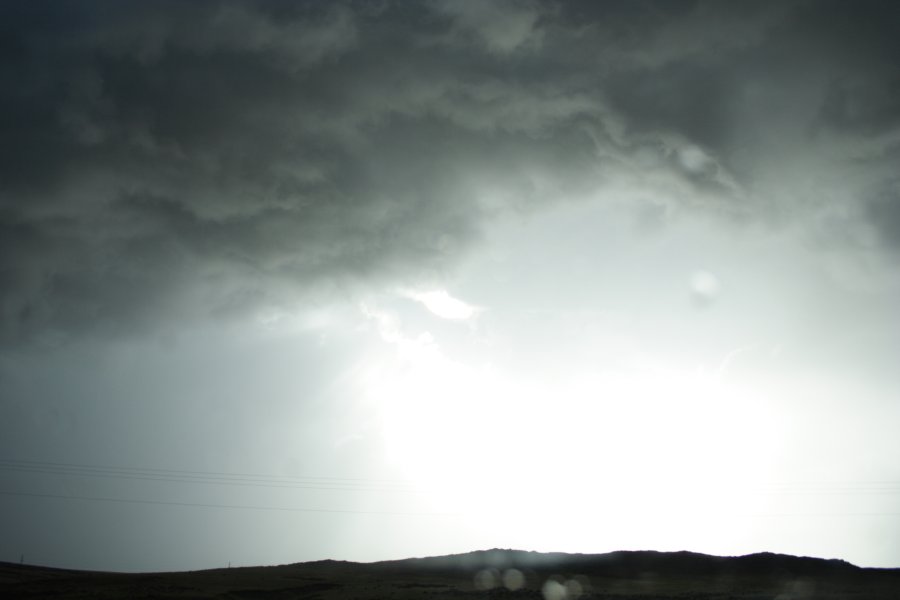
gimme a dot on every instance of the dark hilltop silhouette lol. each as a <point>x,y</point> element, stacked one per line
<point>489,574</point>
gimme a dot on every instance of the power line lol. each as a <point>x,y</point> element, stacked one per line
<point>388,513</point>
<point>210,477</point>
<point>79,466</point>
<point>384,485</point>
<point>204,480</point>
<point>813,515</point>
<point>228,506</point>
<point>367,485</point>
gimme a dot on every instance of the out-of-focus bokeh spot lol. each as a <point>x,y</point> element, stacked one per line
<point>553,590</point>
<point>487,579</point>
<point>513,579</point>
<point>705,287</point>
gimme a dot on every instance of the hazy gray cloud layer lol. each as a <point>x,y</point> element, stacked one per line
<point>166,161</point>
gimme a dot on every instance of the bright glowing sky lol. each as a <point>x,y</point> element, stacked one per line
<point>374,280</point>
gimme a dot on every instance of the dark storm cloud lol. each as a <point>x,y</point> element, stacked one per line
<point>884,209</point>
<point>169,160</point>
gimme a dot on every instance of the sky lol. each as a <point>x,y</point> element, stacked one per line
<point>287,281</point>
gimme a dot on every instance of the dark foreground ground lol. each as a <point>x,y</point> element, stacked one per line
<point>481,575</point>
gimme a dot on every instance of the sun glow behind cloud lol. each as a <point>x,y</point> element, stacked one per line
<point>442,304</point>
<point>588,408</point>
<point>560,232</point>
<point>616,448</point>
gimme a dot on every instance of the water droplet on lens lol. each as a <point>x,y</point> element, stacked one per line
<point>513,579</point>
<point>553,590</point>
<point>486,579</point>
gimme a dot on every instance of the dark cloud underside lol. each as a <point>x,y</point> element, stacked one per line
<point>164,161</point>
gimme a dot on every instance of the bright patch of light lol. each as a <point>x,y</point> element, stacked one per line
<point>613,449</point>
<point>705,286</point>
<point>553,590</point>
<point>444,305</point>
<point>694,159</point>
<point>513,579</point>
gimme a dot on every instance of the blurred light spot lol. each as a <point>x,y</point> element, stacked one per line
<point>444,305</point>
<point>487,579</point>
<point>513,579</point>
<point>694,159</point>
<point>705,287</point>
<point>554,590</point>
<point>574,590</point>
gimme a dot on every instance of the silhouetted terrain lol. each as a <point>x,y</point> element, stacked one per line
<point>491,574</point>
